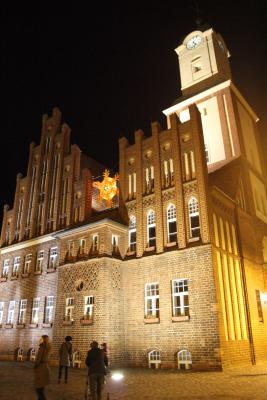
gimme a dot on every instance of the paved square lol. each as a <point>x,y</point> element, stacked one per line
<point>141,384</point>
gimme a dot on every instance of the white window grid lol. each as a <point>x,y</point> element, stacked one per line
<point>1,311</point>
<point>184,355</point>
<point>151,218</point>
<point>88,306</point>
<point>193,216</point>
<point>180,297</point>
<point>152,300</point>
<point>49,306</point>
<point>132,224</point>
<point>53,257</point>
<point>171,223</point>
<point>16,265</point>
<point>171,212</point>
<point>40,258</point>
<point>27,264</point>
<point>5,267</point>
<point>35,310</point>
<point>11,310</point>
<point>22,311</point>
<point>154,355</point>
<point>69,308</point>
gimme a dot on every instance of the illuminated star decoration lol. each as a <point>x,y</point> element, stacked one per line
<point>107,188</point>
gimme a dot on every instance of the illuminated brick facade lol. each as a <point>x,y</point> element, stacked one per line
<point>174,273</point>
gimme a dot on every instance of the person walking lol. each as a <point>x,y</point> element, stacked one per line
<point>41,368</point>
<point>65,357</point>
<point>97,362</point>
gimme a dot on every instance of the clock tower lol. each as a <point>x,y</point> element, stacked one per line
<point>203,60</point>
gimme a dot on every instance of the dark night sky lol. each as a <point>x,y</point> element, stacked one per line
<point>112,71</point>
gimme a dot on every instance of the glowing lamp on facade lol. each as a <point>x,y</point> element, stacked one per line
<point>107,188</point>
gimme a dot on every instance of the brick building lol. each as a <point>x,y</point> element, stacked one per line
<point>172,271</point>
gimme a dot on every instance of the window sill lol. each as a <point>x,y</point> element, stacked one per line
<point>181,318</point>
<point>20,326</point>
<point>193,239</point>
<point>152,248</point>
<point>37,272</point>
<point>14,278</point>
<point>86,321</point>
<point>50,270</point>
<point>25,275</point>
<point>33,326</point>
<point>47,325</point>
<point>151,320</point>
<point>8,326</point>
<point>67,323</point>
<point>171,244</point>
<point>3,279</point>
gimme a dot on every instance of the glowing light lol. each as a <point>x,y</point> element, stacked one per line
<point>107,188</point>
<point>117,376</point>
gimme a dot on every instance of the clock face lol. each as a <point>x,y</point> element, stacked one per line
<point>193,42</point>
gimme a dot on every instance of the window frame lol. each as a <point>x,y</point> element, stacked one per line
<point>152,308</point>
<point>181,295</point>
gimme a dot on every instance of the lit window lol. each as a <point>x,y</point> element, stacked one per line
<point>16,266</point>
<point>35,310</point>
<point>95,244</point>
<point>27,264</point>
<point>259,305</point>
<point>53,257</point>
<point>1,312</point>
<point>88,307</point>
<point>171,224</point>
<point>5,268</point>
<point>194,218</point>
<point>152,300</point>
<point>151,229</point>
<point>154,359</point>
<point>49,306</point>
<point>82,246</point>
<point>132,185</point>
<point>69,309</point>
<point>149,179</point>
<point>184,359</point>
<point>11,310</point>
<point>40,259</point>
<point>168,172</point>
<point>22,311</point>
<point>180,299</point>
<point>115,242</point>
<point>132,233</point>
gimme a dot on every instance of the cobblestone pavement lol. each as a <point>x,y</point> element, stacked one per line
<point>248,383</point>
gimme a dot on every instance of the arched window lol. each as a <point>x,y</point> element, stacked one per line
<point>154,359</point>
<point>194,218</point>
<point>171,224</point>
<point>151,229</point>
<point>184,359</point>
<point>132,233</point>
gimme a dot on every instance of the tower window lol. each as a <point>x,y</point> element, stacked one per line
<point>132,233</point>
<point>152,300</point>
<point>194,218</point>
<point>151,229</point>
<point>171,224</point>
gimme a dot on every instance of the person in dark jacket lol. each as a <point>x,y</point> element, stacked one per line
<point>65,357</point>
<point>97,362</point>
